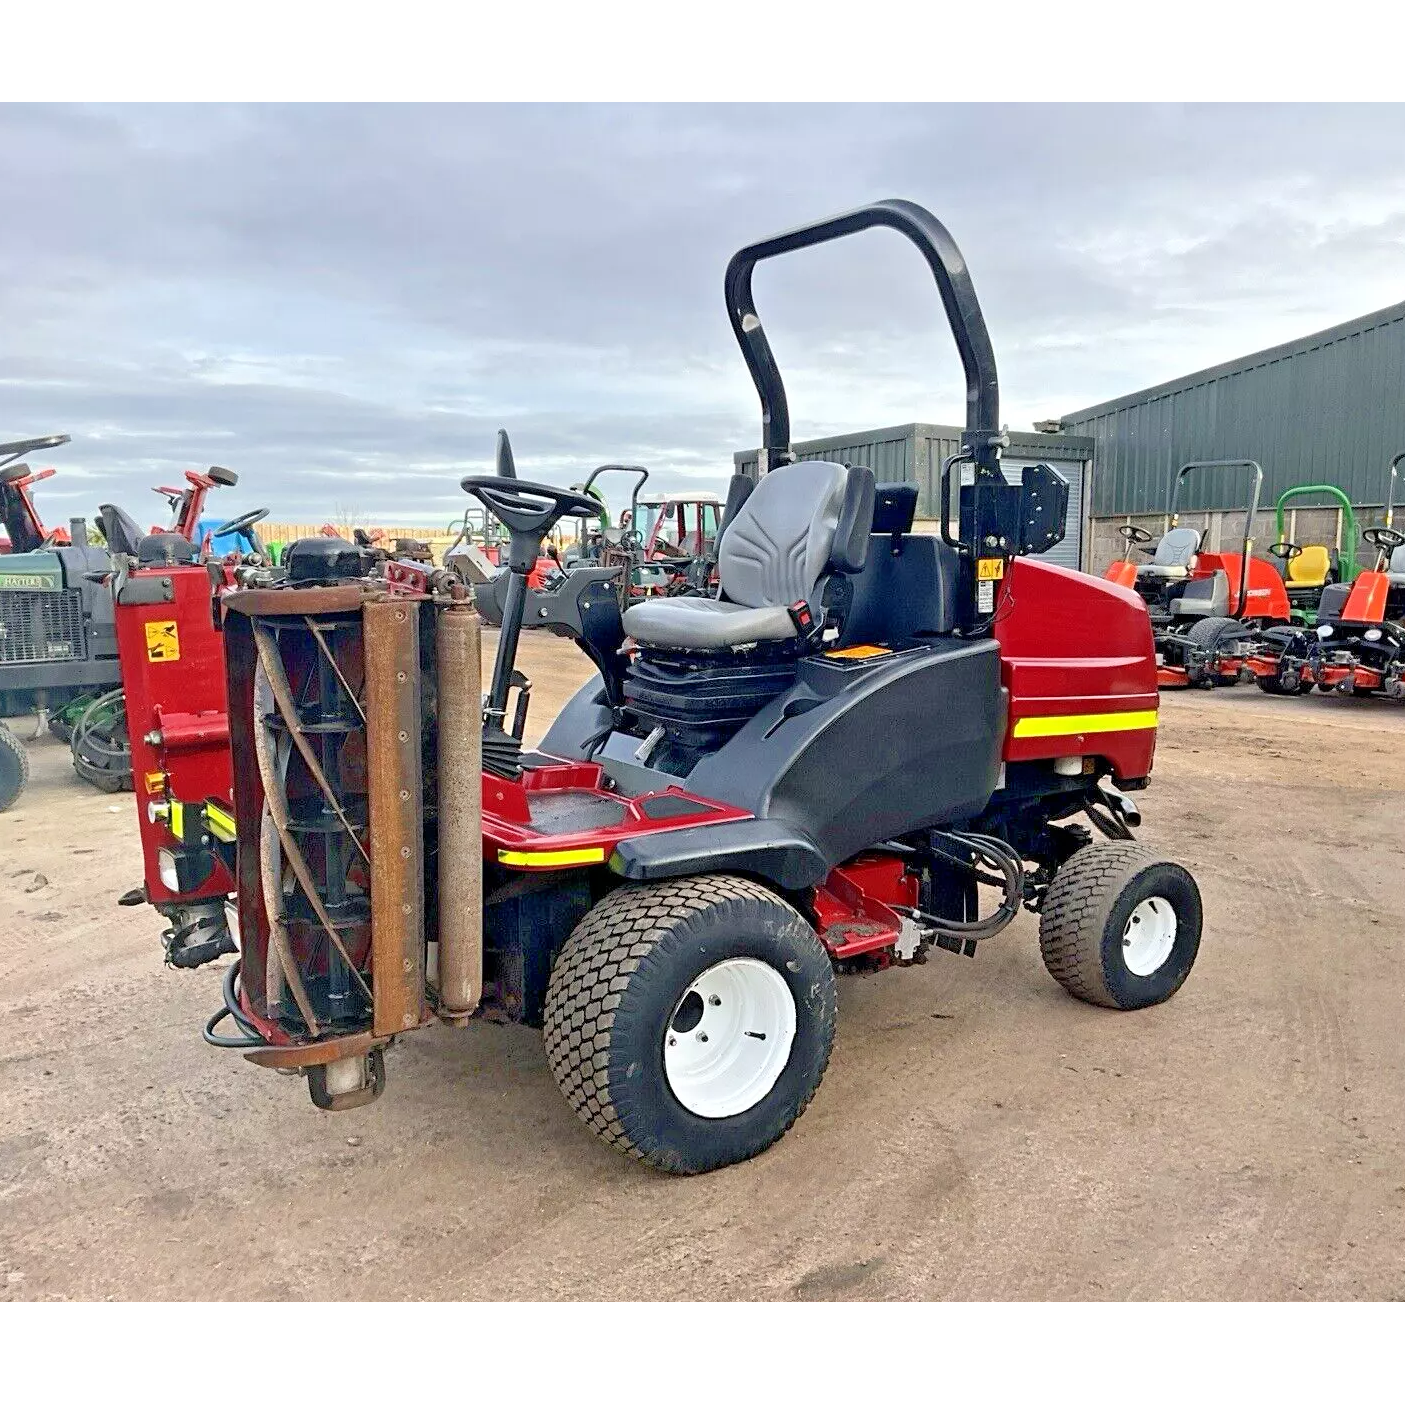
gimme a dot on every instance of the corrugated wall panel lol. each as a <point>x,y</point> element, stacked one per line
<point>1327,408</point>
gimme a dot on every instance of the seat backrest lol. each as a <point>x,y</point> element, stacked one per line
<point>799,522</point>
<point>1177,547</point>
<point>1311,566</point>
<point>120,530</point>
<point>907,590</point>
<point>1397,561</point>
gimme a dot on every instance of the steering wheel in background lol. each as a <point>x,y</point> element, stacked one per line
<point>529,510</point>
<point>242,523</point>
<point>1136,535</point>
<point>1383,538</point>
<point>1284,551</point>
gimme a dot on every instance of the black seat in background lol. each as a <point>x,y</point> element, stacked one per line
<point>119,529</point>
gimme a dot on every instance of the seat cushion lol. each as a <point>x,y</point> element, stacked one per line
<point>699,622</point>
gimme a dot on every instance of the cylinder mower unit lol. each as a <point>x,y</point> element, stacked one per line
<point>819,768</point>
<point>1356,644</point>
<point>165,605</point>
<point>1205,606</point>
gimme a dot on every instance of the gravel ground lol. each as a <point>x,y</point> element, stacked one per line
<point>978,1135</point>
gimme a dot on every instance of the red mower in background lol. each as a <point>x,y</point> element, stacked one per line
<point>1205,606</point>
<point>97,731</point>
<point>1357,645</point>
<point>24,529</point>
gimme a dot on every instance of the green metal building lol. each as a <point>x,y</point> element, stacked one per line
<point>1326,408</point>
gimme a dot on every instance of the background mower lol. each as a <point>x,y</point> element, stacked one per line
<point>818,769</point>
<point>1308,570</point>
<point>1357,644</point>
<point>95,726</point>
<point>1204,605</point>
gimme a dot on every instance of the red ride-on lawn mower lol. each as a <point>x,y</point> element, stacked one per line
<point>1357,646</point>
<point>820,769</point>
<point>1204,605</point>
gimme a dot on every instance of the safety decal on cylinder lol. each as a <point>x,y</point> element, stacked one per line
<point>163,641</point>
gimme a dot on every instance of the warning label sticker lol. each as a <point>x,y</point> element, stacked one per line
<point>990,568</point>
<point>163,642</point>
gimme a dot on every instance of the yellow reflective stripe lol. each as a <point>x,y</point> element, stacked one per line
<point>550,858</point>
<point>175,822</point>
<point>1072,723</point>
<point>220,824</point>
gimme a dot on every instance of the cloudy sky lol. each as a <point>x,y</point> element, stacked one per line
<point>344,303</point>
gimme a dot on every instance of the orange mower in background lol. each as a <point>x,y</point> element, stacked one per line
<point>1357,646</point>
<point>1205,606</point>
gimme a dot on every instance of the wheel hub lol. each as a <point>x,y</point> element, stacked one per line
<point>1149,935</point>
<point>729,1038</point>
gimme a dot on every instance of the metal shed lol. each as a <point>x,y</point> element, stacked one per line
<point>1329,407</point>
<point>914,453</point>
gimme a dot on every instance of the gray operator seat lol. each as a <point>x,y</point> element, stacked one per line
<point>1395,572</point>
<point>801,523</point>
<point>1175,554</point>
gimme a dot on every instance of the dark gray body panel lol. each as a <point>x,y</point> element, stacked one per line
<point>853,754</point>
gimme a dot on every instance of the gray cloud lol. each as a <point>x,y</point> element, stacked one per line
<point>344,302</point>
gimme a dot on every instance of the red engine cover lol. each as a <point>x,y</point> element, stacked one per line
<point>1078,660</point>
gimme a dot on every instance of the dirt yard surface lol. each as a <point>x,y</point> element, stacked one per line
<point>979,1134</point>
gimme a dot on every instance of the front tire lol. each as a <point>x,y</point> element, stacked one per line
<point>689,1022</point>
<point>1211,635</point>
<point>1120,927</point>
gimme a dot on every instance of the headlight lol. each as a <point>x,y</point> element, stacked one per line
<point>1324,631</point>
<point>1372,636</point>
<point>166,868</point>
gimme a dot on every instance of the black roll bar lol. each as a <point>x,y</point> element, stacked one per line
<point>983,438</point>
<point>1257,478</point>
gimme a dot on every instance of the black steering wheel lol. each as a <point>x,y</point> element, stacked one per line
<point>242,523</point>
<point>1284,551</point>
<point>1383,538</point>
<point>529,507</point>
<point>1138,535</point>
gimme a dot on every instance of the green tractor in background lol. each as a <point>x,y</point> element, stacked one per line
<point>1308,570</point>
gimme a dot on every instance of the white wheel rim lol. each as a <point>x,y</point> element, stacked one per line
<point>1148,937</point>
<point>728,1039</point>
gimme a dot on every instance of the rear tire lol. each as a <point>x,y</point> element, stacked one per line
<point>1120,927</point>
<point>649,971</point>
<point>14,767</point>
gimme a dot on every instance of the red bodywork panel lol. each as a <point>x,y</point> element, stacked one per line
<point>1267,598</point>
<point>1367,601</point>
<point>1072,645</point>
<point>507,815</point>
<point>856,901</point>
<point>173,677</point>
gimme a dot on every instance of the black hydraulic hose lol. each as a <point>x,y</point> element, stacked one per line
<point>231,1010</point>
<point>1007,864</point>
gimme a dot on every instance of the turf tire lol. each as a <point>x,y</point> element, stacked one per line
<point>14,767</point>
<point>1086,911</point>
